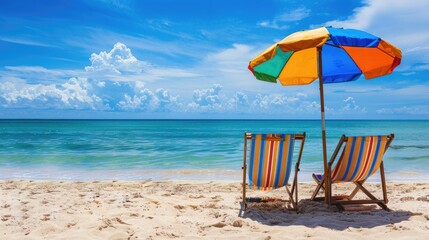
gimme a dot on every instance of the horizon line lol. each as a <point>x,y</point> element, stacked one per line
<point>222,119</point>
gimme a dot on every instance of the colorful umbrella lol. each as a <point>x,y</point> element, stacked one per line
<point>330,54</point>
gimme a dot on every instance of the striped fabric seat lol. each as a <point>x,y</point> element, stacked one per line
<point>270,160</point>
<point>360,158</point>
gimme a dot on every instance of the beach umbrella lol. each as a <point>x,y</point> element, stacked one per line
<point>331,55</point>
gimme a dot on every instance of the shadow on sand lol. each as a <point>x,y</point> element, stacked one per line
<point>314,214</point>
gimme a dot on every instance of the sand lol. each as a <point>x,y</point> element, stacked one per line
<point>198,210</point>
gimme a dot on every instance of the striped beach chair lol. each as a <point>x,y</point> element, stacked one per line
<point>270,164</point>
<point>361,157</point>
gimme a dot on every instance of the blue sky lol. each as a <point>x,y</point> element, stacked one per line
<point>188,59</point>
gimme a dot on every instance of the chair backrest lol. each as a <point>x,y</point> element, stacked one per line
<point>270,160</point>
<point>361,158</point>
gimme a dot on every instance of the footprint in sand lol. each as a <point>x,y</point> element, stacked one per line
<point>210,205</point>
<point>196,196</point>
<point>46,217</point>
<point>137,195</point>
<point>5,218</point>
<point>134,214</point>
<point>180,207</point>
<point>71,224</point>
<point>215,214</point>
<point>121,221</point>
<point>166,234</point>
<point>423,199</point>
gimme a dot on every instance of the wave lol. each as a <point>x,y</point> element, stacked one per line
<point>414,158</point>
<point>409,146</point>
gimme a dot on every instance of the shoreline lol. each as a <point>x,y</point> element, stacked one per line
<point>178,181</point>
<point>184,209</point>
<point>215,174</point>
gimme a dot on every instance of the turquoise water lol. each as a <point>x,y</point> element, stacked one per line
<point>184,149</point>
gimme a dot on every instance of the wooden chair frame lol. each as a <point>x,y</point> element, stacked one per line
<point>339,201</point>
<point>290,193</point>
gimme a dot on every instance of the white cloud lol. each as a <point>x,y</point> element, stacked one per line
<point>37,74</point>
<point>229,67</point>
<point>279,103</point>
<point>350,106</point>
<point>101,84</point>
<point>207,99</point>
<point>148,101</point>
<point>76,93</point>
<point>399,22</point>
<point>167,102</point>
<point>413,110</point>
<point>279,22</point>
<point>119,60</point>
<point>32,69</point>
<point>144,101</point>
<point>240,99</point>
<point>238,103</point>
<point>119,64</point>
<point>25,42</point>
<point>231,60</point>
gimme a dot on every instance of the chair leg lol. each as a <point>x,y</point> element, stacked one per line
<point>294,204</point>
<point>317,181</point>
<point>319,186</point>
<point>294,192</point>
<point>243,202</point>
<point>244,168</point>
<point>383,183</point>
<point>356,190</point>
<point>363,189</point>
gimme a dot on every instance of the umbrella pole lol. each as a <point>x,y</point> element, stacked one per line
<point>322,111</point>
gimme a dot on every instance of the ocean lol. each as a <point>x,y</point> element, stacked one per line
<point>185,149</point>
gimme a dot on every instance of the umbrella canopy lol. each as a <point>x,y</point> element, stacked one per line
<point>346,55</point>
<point>329,54</point>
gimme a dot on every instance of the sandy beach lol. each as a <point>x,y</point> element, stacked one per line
<point>196,210</point>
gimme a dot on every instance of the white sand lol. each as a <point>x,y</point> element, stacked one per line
<point>196,210</point>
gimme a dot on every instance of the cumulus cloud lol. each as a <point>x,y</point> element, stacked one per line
<point>239,102</point>
<point>167,102</point>
<point>119,64</point>
<point>280,103</point>
<point>118,60</point>
<point>207,99</point>
<point>351,106</point>
<point>146,100</point>
<point>76,93</point>
<point>279,22</point>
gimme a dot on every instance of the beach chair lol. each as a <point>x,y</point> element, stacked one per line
<point>270,165</point>
<point>361,157</point>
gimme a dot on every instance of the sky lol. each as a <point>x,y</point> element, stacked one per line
<point>188,59</point>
